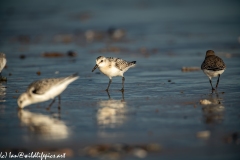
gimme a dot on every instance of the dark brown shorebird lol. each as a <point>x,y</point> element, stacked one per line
<point>213,66</point>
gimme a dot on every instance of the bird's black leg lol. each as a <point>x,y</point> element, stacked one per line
<point>51,104</point>
<point>123,79</point>
<point>217,81</point>
<point>109,83</point>
<point>108,95</point>
<point>122,97</point>
<point>211,84</point>
<point>59,102</point>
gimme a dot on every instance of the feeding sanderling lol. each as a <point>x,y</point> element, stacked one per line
<point>213,66</point>
<point>45,89</point>
<point>3,62</point>
<point>112,67</point>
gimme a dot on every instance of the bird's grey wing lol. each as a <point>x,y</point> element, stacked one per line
<point>124,65</point>
<point>121,64</point>
<point>116,61</point>
<point>42,86</point>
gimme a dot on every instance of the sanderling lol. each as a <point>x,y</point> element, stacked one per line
<point>3,62</point>
<point>112,67</point>
<point>45,89</point>
<point>213,66</point>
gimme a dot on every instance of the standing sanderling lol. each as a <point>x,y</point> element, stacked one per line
<point>3,62</point>
<point>45,89</point>
<point>213,66</point>
<point>112,67</point>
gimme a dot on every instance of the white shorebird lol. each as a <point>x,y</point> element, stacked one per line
<point>44,90</point>
<point>3,62</point>
<point>112,67</point>
<point>213,66</point>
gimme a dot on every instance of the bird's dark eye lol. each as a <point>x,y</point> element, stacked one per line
<point>101,60</point>
<point>20,102</point>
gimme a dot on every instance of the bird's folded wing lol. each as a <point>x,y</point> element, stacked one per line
<point>42,86</point>
<point>213,64</point>
<point>121,64</point>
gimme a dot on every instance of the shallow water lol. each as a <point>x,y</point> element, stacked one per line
<point>161,104</point>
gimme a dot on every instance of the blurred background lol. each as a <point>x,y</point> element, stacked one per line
<point>167,109</point>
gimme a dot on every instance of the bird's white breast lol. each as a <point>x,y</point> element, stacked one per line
<point>111,71</point>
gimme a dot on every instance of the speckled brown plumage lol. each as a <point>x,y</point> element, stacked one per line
<point>213,63</point>
<point>213,66</point>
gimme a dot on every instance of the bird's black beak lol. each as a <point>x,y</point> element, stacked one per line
<point>96,66</point>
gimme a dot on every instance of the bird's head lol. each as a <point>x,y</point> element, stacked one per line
<point>100,62</point>
<point>210,53</point>
<point>23,100</point>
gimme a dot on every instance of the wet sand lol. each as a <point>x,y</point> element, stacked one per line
<point>164,112</point>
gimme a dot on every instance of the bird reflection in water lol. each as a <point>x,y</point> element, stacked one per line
<point>213,109</point>
<point>2,93</point>
<point>45,127</point>
<point>2,98</point>
<point>112,113</point>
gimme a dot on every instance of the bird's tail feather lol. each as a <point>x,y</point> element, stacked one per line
<point>70,78</point>
<point>74,75</point>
